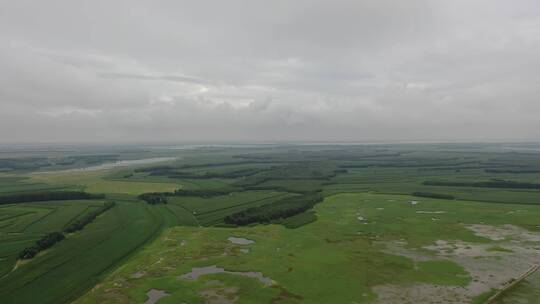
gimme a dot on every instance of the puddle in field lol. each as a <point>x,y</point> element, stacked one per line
<point>196,272</point>
<point>240,241</point>
<point>155,295</point>
<point>516,211</point>
<point>137,275</point>
<point>431,212</point>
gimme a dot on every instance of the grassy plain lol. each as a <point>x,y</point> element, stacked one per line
<point>338,258</point>
<point>367,242</point>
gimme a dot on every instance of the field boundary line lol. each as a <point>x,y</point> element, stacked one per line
<point>54,210</point>
<point>246,203</point>
<point>16,216</point>
<point>75,217</point>
<point>522,277</point>
<point>190,212</point>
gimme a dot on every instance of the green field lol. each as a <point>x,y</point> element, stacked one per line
<point>330,224</point>
<point>23,224</point>
<point>337,259</point>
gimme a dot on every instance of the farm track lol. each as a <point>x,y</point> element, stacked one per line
<point>513,284</point>
<point>188,211</point>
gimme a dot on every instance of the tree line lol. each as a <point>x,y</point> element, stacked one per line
<point>88,218</point>
<point>279,210</point>
<point>154,198</point>
<point>48,240</point>
<point>512,171</point>
<point>434,195</point>
<point>47,196</point>
<point>488,184</point>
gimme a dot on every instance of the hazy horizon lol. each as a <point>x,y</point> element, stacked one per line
<point>116,72</point>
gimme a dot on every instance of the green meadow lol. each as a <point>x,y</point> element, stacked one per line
<point>338,258</point>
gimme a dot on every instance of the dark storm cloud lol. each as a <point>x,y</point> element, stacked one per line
<point>117,71</point>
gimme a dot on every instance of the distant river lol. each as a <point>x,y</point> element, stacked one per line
<point>121,163</point>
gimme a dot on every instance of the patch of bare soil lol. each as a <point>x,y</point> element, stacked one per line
<point>137,275</point>
<point>286,296</point>
<point>399,248</point>
<point>421,293</point>
<point>489,269</point>
<point>240,241</point>
<point>219,294</point>
<point>504,232</point>
<point>196,272</point>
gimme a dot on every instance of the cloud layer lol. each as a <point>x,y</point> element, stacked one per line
<point>380,70</point>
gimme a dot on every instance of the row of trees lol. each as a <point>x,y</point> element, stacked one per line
<point>47,196</point>
<point>88,218</point>
<point>173,172</point>
<point>434,195</point>
<point>489,184</point>
<point>52,238</point>
<point>154,198</point>
<point>208,175</point>
<point>45,242</point>
<point>512,170</point>
<point>273,212</point>
<point>200,193</point>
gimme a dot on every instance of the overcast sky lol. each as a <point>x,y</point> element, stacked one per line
<point>166,71</point>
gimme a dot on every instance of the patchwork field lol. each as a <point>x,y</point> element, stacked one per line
<point>22,224</point>
<point>272,224</point>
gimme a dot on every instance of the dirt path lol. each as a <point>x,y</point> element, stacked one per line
<point>512,284</point>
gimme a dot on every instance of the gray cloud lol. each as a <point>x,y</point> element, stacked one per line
<point>117,71</point>
<point>150,77</point>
